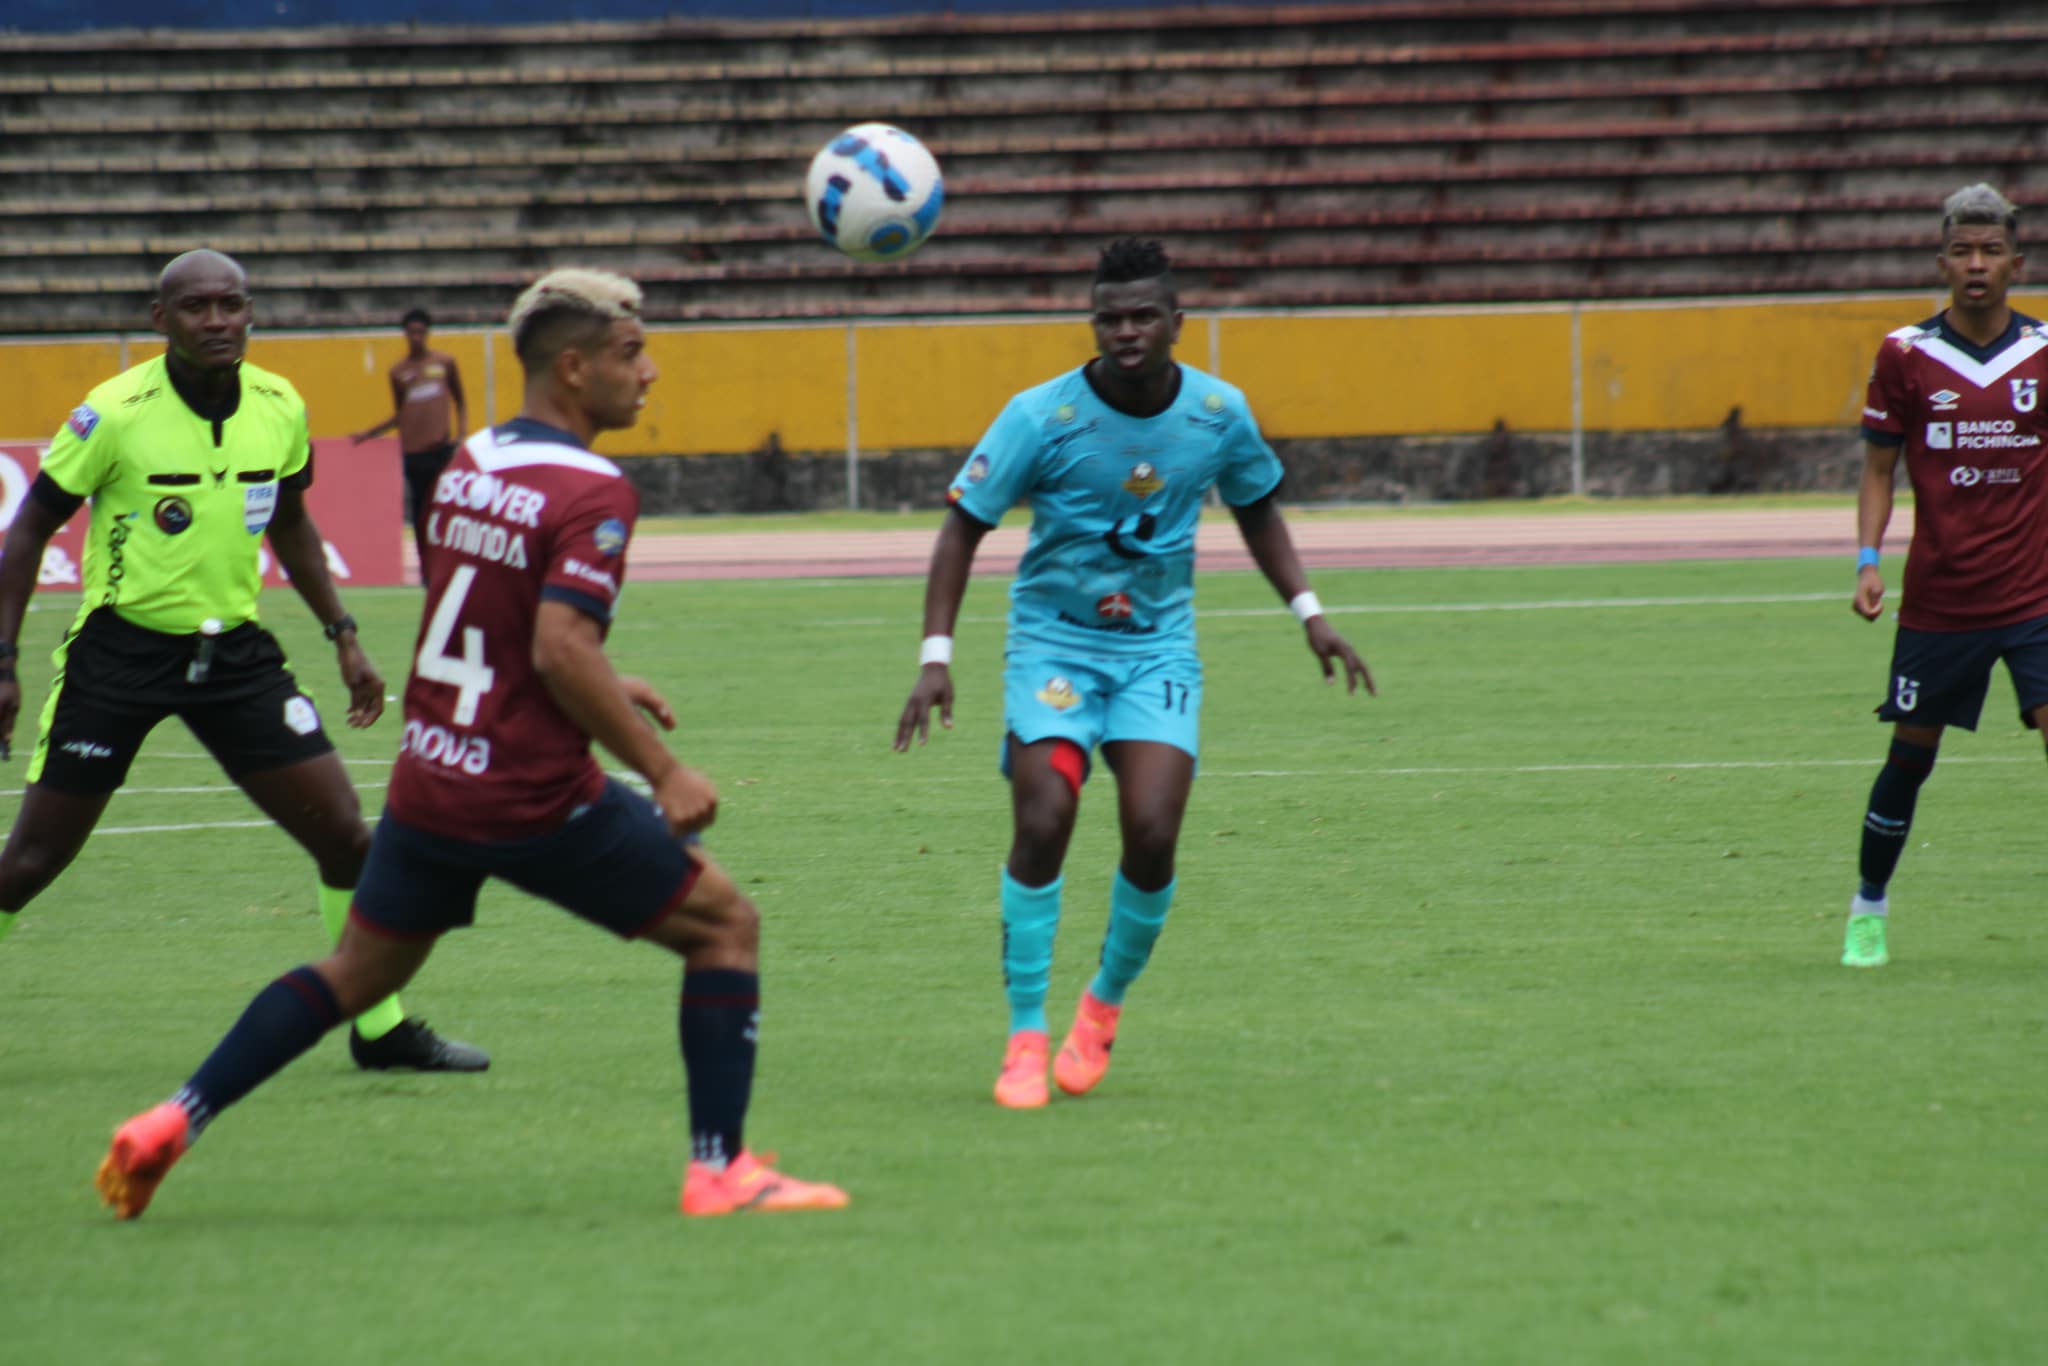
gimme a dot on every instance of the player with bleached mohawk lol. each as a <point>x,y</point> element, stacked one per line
<point>572,292</point>
<point>526,554</point>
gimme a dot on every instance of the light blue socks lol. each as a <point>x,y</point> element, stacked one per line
<point>1031,917</point>
<point>1135,919</point>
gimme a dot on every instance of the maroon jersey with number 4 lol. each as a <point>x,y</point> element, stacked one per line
<point>1975,436</point>
<point>522,515</point>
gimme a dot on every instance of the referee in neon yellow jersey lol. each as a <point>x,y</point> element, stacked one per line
<point>190,459</point>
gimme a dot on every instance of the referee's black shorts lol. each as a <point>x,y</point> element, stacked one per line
<point>116,680</point>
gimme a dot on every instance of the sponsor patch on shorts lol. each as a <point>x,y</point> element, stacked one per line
<point>300,716</point>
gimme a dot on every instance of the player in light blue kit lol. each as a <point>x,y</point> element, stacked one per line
<point>1115,459</point>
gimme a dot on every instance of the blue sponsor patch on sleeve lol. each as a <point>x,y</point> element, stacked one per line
<point>610,536</point>
<point>83,419</point>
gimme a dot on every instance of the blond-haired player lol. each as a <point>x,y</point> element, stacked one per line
<point>526,552</point>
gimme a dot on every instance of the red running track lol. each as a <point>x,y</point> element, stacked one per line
<point>1378,541</point>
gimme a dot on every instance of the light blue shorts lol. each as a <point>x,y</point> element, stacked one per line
<point>1155,697</point>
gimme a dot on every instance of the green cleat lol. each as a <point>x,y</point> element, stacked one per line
<point>1863,946</point>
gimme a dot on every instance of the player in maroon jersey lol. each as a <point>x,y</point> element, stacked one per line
<point>526,548</point>
<point>1960,396</point>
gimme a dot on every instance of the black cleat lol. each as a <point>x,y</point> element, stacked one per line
<point>416,1048</point>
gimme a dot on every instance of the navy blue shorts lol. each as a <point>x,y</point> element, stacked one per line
<point>614,863</point>
<point>1939,678</point>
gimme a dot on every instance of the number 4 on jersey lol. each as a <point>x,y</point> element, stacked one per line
<point>467,673</point>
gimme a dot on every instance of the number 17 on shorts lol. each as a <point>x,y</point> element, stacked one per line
<point>1160,701</point>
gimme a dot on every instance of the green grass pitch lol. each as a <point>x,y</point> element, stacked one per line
<point>1498,1021</point>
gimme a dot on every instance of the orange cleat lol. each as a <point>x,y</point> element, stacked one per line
<point>1084,1057</point>
<point>1022,1084</point>
<point>143,1151</point>
<point>748,1183</point>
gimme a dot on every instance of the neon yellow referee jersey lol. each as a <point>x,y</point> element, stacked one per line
<point>179,503</point>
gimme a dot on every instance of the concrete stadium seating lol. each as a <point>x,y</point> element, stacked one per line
<point>1472,150</point>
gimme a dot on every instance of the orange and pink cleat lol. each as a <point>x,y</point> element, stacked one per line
<point>1022,1083</point>
<point>1084,1057</point>
<point>144,1149</point>
<point>748,1183</point>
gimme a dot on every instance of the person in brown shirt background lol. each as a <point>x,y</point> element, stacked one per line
<point>423,386</point>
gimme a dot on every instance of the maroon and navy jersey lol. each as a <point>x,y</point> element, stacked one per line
<point>1975,434</point>
<point>522,515</point>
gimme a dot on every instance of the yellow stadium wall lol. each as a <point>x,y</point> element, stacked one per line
<point>1415,374</point>
<point>936,384</point>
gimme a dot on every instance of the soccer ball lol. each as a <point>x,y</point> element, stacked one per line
<point>874,192</point>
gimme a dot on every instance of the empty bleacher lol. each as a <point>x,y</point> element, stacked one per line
<point>1475,150</point>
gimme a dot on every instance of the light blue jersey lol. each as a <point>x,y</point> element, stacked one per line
<point>1109,568</point>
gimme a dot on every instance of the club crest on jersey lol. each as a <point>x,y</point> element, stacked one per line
<point>1144,480</point>
<point>173,515</point>
<point>1213,403</point>
<point>977,468</point>
<point>2026,393</point>
<point>1944,400</point>
<point>82,420</point>
<point>1059,694</point>
<point>1941,436</point>
<point>1064,414</point>
<point>610,536</point>
<point>1113,606</point>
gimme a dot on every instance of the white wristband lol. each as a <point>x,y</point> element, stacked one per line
<point>1304,606</point>
<point>936,650</point>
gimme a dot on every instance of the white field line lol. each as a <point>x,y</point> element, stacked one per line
<point>1868,761</point>
<point>1396,608</point>
<point>202,754</point>
<point>224,789</point>
<point>1446,771</point>
<point>1871,761</point>
<point>176,829</point>
<point>1553,605</point>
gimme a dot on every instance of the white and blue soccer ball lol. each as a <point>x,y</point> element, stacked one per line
<point>874,192</point>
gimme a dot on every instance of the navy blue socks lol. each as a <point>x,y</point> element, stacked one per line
<point>719,1023</point>
<point>287,1017</point>
<point>1890,818</point>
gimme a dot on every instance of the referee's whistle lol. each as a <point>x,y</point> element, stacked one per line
<point>202,658</point>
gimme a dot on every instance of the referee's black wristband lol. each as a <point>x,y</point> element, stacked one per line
<point>344,622</point>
